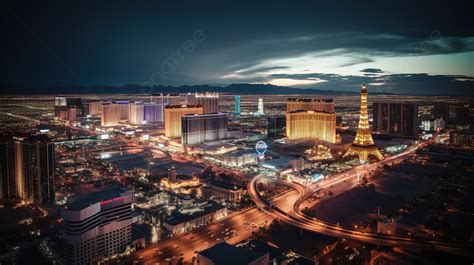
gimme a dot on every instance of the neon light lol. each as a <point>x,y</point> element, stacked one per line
<point>111,200</point>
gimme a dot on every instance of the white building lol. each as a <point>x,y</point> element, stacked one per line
<point>260,106</point>
<point>136,113</point>
<point>240,158</point>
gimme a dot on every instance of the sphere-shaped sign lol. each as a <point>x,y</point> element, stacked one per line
<point>261,147</point>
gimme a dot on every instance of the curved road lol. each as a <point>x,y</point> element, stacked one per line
<point>299,219</point>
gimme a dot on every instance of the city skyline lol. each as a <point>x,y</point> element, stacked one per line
<point>237,133</point>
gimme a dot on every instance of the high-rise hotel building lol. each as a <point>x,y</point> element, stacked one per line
<point>68,108</point>
<point>97,226</point>
<point>311,118</point>
<point>237,105</point>
<point>135,113</point>
<point>208,100</point>
<point>311,124</point>
<point>198,129</point>
<point>314,104</point>
<point>27,169</point>
<point>163,100</point>
<point>152,112</point>
<point>396,118</point>
<point>114,113</point>
<point>173,116</point>
<point>95,108</point>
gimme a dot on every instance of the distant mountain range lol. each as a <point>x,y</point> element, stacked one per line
<point>137,89</point>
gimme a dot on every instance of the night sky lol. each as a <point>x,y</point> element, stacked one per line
<point>422,47</point>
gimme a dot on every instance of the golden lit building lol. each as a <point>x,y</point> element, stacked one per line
<point>173,116</point>
<point>114,114</point>
<point>315,104</point>
<point>182,185</point>
<point>311,124</point>
<point>363,145</point>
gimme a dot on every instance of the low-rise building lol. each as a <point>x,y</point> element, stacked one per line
<point>240,158</point>
<point>182,222</point>
<point>225,191</point>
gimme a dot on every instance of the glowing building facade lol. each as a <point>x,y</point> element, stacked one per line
<point>97,226</point>
<point>27,169</point>
<point>152,112</point>
<point>136,113</point>
<point>183,184</point>
<point>208,101</point>
<point>198,129</point>
<point>173,116</point>
<point>363,145</point>
<point>237,105</point>
<point>260,107</point>
<point>163,100</point>
<point>114,113</point>
<point>95,108</point>
<point>314,104</point>
<point>311,124</point>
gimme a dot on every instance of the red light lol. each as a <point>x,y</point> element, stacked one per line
<point>109,201</point>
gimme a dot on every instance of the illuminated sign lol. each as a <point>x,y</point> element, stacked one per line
<point>261,147</point>
<point>111,200</point>
<point>317,177</point>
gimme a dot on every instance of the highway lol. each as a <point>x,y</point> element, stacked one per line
<point>286,207</point>
<point>297,218</point>
<point>185,245</point>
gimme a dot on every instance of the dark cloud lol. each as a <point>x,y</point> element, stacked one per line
<point>125,42</point>
<point>372,70</point>
<point>413,84</point>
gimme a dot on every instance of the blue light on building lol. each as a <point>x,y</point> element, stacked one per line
<point>317,177</point>
<point>237,105</point>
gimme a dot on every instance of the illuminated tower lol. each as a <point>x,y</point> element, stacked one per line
<point>260,106</point>
<point>237,105</point>
<point>363,145</point>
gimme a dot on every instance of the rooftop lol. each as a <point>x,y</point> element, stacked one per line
<point>328,100</point>
<point>177,217</point>
<point>95,197</point>
<point>224,253</point>
<point>311,112</point>
<point>182,106</point>
<point>224,185</point>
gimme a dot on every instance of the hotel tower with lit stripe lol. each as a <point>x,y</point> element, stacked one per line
<point>363,145</point>
<point>173,116</point>
<point>97,225</point>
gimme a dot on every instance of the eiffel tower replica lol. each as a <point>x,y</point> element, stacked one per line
<point>363,145</point>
